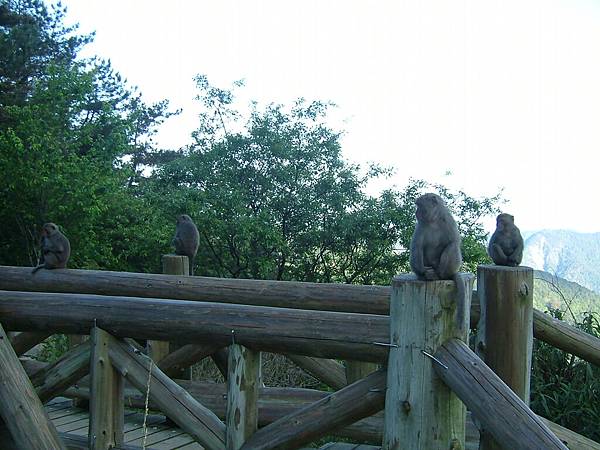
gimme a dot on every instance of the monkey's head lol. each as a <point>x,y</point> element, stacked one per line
<point>429,206</point>
<point>49,229</point>
<point>183,218</point>
<point>504,221</point>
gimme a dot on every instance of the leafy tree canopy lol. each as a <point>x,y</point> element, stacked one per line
<point>268,185</point>
<point>274,198</point>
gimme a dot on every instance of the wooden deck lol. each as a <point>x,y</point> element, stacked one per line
<point>73,422</point>
<point>159,435</point>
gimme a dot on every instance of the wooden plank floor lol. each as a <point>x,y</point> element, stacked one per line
<point>159,435</point>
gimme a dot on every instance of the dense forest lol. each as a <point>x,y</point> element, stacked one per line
<point>267,185</point>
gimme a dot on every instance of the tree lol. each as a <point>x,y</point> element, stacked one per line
<point>32,37</point>
<point>274,198</point>
<point>68,128</point>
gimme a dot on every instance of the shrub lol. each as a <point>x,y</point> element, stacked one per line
<point>564,388</point>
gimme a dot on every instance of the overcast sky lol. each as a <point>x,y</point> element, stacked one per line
<point>501,94</point>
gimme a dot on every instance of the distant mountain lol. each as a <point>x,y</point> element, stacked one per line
<point>566,254</point>
<point>550,291</point>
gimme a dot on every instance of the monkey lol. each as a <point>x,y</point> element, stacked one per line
<point>56,249</point>
<point>435,245</point>
<point>506,245</point>
<point>435,248</point>
<point>186,239</point>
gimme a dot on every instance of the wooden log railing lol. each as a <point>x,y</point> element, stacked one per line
<point>207,321</point>
<point>276,402</point>
<point>21,409</point>
<point>502,412</point>
<point>330,334</point>
<point>505,330</point>
<point>344,407</point>
<point>283,294</point>
<point>424,314</point>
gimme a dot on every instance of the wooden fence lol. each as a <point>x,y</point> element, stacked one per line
<point>417,332</point>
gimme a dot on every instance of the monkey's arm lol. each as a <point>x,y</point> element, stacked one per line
<point>417,263</point>
<point>450,261</point>
<point>517,255</point>
<point>498,255</point>
<point>53,246</point>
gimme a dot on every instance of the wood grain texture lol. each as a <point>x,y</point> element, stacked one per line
<point>422,412</point>
<point>242,395</point>
<point>506,323</point>
<point>328,371</point>
<point>185,356</point>
<point>106,402</point>
<point>505,329</point>
<point>330,334</point>
<point>171,265</point>
<point>54,378</point>
<point>566,337</point>
<point>176,403</point>
<point>275,402</point>
<point>20,408</point>
<point>318,296</point>
<point>357,370</point>
<point>510,422</point>
<point>341,408</point>
<point>23,342</point>
<point>284,294</point>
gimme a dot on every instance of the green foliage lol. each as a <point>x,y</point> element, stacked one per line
<point>274,198</point>
<point>53,348</point>
<point>72,140</point>
<point>268,186</point>
<point>564,388</point>
<point>553,292</point>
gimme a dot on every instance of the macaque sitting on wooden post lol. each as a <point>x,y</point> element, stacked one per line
<point>506,245</point>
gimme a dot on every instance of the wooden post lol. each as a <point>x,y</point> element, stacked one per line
<point>357,370</point>
<point>421,412</point>
<point>106,403</point>
<point>505,329</point>
<point>172,265</point>
<point>242,395</point>
<point>21,409</point>
<point>193,418</point>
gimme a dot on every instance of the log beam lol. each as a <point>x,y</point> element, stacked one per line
<point>21,409</point>
<point>106,403</point>
<point>196,420</point>
<point>23,342</point>
<point>282,294</point>
<point>280,330</point>
<point>502,413</point>
<point>54,378</point>
<point>341,408</point>
<point>328,371</point>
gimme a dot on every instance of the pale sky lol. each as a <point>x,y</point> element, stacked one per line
<point>502,94</point>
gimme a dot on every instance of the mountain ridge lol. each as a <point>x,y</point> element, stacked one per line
<point>566,254</point>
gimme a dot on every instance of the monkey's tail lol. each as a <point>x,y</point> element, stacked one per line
<point>38,267</point>
<point>192,262</point>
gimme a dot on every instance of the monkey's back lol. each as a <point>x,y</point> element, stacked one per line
<point>187,239</point>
